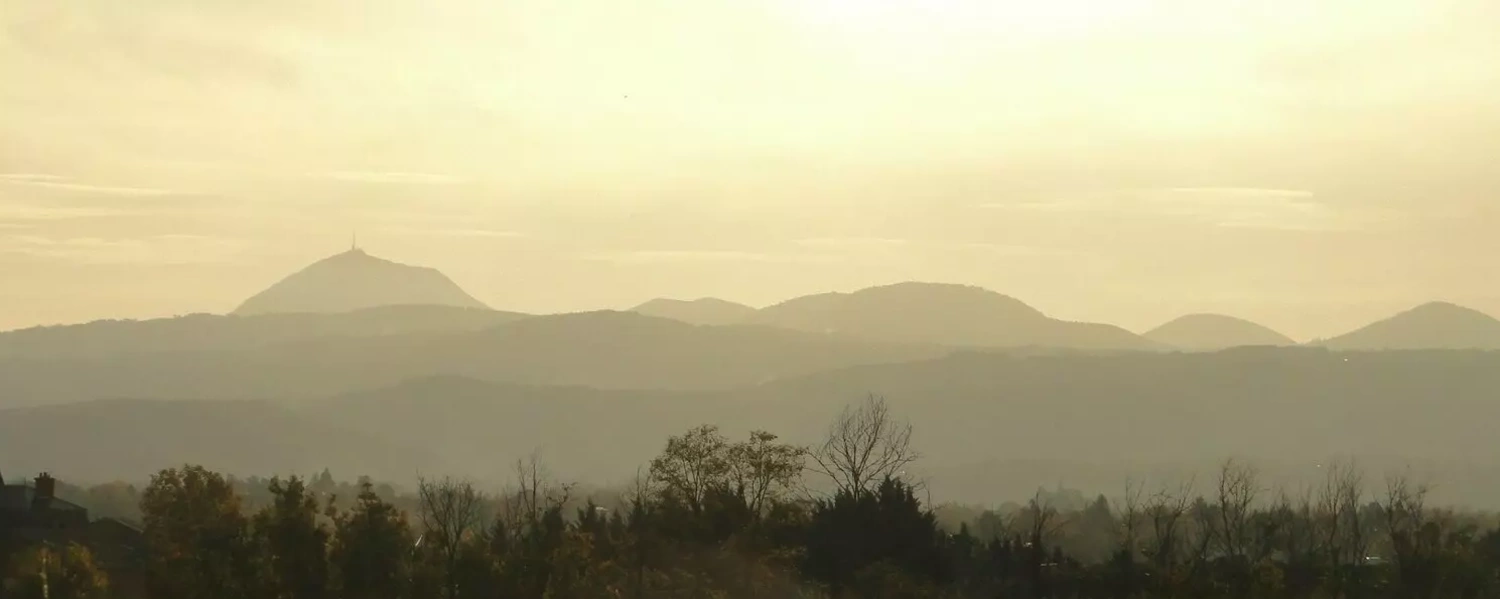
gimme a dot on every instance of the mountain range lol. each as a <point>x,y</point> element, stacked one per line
<point>369,366</point>
<point>356,295</point>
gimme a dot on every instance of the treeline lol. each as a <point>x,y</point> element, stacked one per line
<point>718,517</point>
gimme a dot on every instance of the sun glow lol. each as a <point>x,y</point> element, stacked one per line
<point>1027,18</point>
<point>932,36</point>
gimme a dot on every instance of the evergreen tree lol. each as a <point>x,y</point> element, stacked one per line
<point>372,549</point>
<point>293,542</point>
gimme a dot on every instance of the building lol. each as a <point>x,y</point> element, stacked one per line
<point>32,515</point>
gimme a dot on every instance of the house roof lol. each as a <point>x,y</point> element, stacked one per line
<point>16,497</point>
<point>23,498</point>
<point>63,505</point>
<point>116,522</point>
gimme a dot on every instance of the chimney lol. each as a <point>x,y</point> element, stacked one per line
<point>46,486</point>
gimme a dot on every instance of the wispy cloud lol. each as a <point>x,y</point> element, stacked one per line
<point>18,211</point>
<point>25,177</point>
<point>1060,205</point>
<point>469,233</point>
<point>393,177</point>
<point>704,256</point>
<point>1000,249</point>
<point>63,184</point>
<point>1228,207</point>
<point>1241,192</point>
<point>853,242</point>
<point>156,249</point>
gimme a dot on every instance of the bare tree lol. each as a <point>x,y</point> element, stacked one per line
<point>1130,519</point>
<point>1239,486</point>
<point>761,470</point>
<point>1165,511</point>
<point>1342,532</point>
<point>1406,520</point>
<point>1302,536</point>
<point>450,511</point>
<point>1205,534</point>
<point>865,445</point>
<point>1272,527</point>
<point>533,496</point>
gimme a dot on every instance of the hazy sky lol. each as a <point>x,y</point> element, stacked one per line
<point>1311,164</point>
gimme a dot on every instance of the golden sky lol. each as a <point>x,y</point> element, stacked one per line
<point>1310,164</point>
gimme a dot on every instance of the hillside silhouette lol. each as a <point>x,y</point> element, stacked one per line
<point>704,311</point>
<point>1209,332</point>
<point>355,280</point>
<point>1435,325</point>
<point>131,439</point>
<point>212,332</point>
<point>955,315</point>
<point>600,349</point>
<point>974,412</point>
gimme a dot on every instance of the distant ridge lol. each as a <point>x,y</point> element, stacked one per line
<point>355,280</point>
<point>1435,325</point>
<point>1211,332</point>
<point>213,332</point>
<point>706,311</point>
<point>941,313</point>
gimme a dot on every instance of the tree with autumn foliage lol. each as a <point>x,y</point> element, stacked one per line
<point>197,538</point>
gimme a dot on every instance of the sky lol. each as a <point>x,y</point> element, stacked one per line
<point>1309,164</point>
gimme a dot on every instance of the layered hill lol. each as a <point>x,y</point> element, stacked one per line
<point>619,350</point>
<point>132,439</point>
<point>955,315</point>
<point>1436,325</point>
<point>983,420</point>
<point>212,332</point>
<point>1212,332</point>
<point>706,311</point>
<point>355,280</point>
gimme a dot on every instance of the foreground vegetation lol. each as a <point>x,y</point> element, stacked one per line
<point>714,517</point>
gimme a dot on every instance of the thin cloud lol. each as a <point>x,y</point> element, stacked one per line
<point>1247,192</point>
<point>30,177</point>
<point>1071,205</point>
<point>474,233</point>
<point>16,211</point>
<point>63,184</point>
<point>853,242</point>
<point>703,256</point>
<point>1001,249</point>
<point>1227,207</point>
<point>1247,208</point>
<point>166,249</point>
<point>393,177</point>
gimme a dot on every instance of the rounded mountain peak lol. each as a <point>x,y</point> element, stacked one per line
<point>914,312</point>
<point>1444,310</point>
<point>701,311</point>
<point>1433,325</point>
<point>355,280</point>
<point>1211,332</point>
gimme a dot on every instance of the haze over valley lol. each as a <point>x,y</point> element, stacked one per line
<point>749,299</point>
<point>357,356</point>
